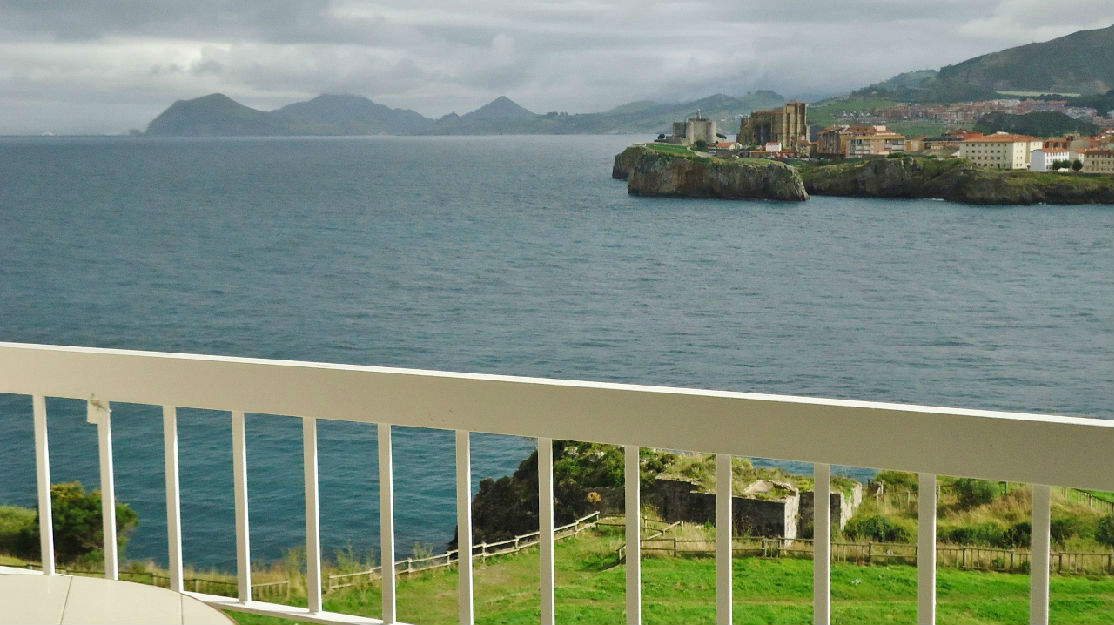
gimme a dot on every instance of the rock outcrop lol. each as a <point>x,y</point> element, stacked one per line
<point>954,180</point>
<point>653,173</point>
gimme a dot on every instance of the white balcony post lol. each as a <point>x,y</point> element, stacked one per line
<point>100,413</point>
<point>42,474</point>
<point>387,523</point>
<point>545,528</point>
<point>724,531</point>
<point>822,545</point>
<point>1042,543</point>
<point>240,483</point>
<point>926,549</point>
<point>464,527</point>
<point>173,496</point>
<point>632,477</point>
<point>313,514</point>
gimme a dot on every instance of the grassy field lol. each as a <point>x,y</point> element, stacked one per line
<point>591,583</point>
<point>824,113</point>
<point>670,148</point>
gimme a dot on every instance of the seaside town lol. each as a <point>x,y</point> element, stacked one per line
<point>785,133</point>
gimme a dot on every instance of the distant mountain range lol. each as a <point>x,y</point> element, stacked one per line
<point>217,115</point>
<point>1082,63</point>
<point>1078,63</point>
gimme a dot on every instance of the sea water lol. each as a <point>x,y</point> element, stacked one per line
<point>515,255</point>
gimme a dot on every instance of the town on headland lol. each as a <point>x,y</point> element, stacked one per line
<point>777,155</point>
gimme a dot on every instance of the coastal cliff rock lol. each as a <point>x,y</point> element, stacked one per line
<point>653,173</point>
<point>624,161</point>
<point>954,180</point>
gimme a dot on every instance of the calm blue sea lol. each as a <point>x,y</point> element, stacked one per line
<point>515,255</point>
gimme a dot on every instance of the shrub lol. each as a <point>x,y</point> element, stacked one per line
<point>1018,535</point>
<point>19,532</point>
<point>974,493</point>
<point>988,534</point>
<point>77,522</point>
<point>1104,533</point>
<point>1063,529</point>
<point>877,528</point>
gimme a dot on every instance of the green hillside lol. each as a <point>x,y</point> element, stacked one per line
<point>1080,63</point>
<point>1035,124</point>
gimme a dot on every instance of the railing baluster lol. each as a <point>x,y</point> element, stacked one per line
<point>240,480</point>
<point>387,523</point>
<point>173,496</point>
<point>42,474</point>
<point>99,412</point>
<point>926,549</point>
<point>822,545</point>
<point>1042,543</point>
<point>313,514</point>
<point>545,528</point>
<point>464,527</point>
<point>632,477</point>
<point>724,531</point>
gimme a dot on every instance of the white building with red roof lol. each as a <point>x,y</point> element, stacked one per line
<point>1000,150</point>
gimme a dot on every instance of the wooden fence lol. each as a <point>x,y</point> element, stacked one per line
<point>481,551</point>
<point>1082,496</point>
<point>203,585</point>
<point>952,556</point>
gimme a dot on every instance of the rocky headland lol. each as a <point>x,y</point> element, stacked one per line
<point>954,180</point>
<point>658,171</point>
<point>654,173</point>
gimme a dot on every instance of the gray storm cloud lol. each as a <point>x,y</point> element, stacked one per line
<point>113,65</point>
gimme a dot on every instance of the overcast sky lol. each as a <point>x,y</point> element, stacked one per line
<point>107,66</point>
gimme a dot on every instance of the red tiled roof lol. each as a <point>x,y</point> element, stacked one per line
<point>999,139</point>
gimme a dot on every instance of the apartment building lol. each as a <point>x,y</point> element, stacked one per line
<point>859,141</point>
<point>1098,161</point>
<point>1000,150</point>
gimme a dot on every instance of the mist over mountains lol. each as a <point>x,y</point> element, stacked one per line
<point>1077,63</point>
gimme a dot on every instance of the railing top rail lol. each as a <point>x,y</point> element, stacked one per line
<point>1057,450</point>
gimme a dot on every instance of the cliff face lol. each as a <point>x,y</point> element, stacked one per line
<point>955,180</point>
<point>624,162</point>
<point>653,173</point>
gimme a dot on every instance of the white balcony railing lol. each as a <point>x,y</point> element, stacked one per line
<point>1041,450</point>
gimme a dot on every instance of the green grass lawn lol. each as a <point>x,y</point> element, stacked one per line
<point>591,589</point>
<point>670,148</point>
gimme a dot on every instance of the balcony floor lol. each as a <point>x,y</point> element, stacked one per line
<point>31,597</point>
